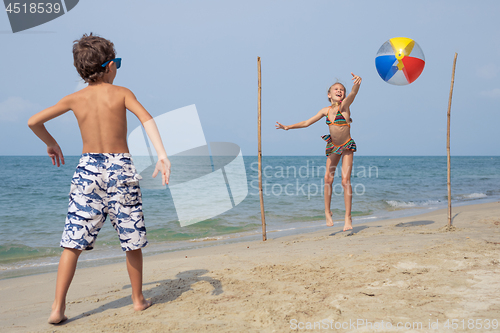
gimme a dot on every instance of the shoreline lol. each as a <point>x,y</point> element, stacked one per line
<point>30,246</point>
<point>408,269</point>
<point>111,255</point>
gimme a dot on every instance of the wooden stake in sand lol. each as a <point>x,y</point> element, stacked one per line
<point>262,214</point>
<point>448,140</point>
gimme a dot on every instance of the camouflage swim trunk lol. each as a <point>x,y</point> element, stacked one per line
<point>104,184</point>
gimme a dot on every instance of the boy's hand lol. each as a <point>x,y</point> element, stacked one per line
<point>163,165</point>
<point>55,154</point>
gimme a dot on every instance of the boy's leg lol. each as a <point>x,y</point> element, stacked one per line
<point>65,273</point>
<point>134,268</point>
<point>331,165</point>
<point>125,212</point>
<point>347,160</point>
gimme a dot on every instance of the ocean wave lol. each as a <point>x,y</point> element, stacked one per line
<point>18,252</point>
<point>41,262</point>
<point>412,204</point>
<point>472,196</point>
<point>308,218</point>
<point>209,238</point>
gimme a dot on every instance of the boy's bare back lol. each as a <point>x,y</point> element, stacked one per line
<point>101,113</point>
<point>100,110</point>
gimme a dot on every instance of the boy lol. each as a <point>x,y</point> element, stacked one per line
<point>105,181</point>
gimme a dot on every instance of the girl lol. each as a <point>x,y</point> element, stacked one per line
<point>339,143</point>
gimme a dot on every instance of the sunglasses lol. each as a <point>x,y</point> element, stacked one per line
<point>117,61</point>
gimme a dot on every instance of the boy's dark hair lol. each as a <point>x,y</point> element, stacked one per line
<point>89,53</point>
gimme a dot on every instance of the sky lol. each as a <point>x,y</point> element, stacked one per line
<point>178,53</point>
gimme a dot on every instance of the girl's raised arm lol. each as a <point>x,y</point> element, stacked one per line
<point>355,88</point>
<point>302,124</point>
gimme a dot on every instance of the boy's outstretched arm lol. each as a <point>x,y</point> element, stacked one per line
<point>163,164</point>
<point>36,123</point>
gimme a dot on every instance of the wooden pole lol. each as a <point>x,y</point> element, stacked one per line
<point>448,139</point>
<point>262,214</point>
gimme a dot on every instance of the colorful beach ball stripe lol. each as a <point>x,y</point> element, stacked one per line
<point>400,61</point>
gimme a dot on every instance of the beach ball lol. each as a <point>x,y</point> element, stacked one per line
<point>400,61</point>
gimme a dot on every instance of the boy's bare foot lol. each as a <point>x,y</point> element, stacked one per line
<point>329,220</point>
<point>57,315</point>
<point>348,223</point>
<point>142,305</point>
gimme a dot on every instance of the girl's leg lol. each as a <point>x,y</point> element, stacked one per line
<point>134,268</point>
<point>331,166</point>
<point>347,160</point>
<point>65,273</point>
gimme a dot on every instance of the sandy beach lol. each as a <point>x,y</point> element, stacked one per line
<point>411,271</point>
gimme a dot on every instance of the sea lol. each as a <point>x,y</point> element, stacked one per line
<point>34,200</point>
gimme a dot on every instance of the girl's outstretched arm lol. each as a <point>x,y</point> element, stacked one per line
<point>355,88</point>
<point>302,124</point>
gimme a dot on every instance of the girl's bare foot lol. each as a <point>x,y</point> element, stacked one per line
<point>329,220</point>
<point>142,304</point>
<point>348,223</point>
<point>57,315</point>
